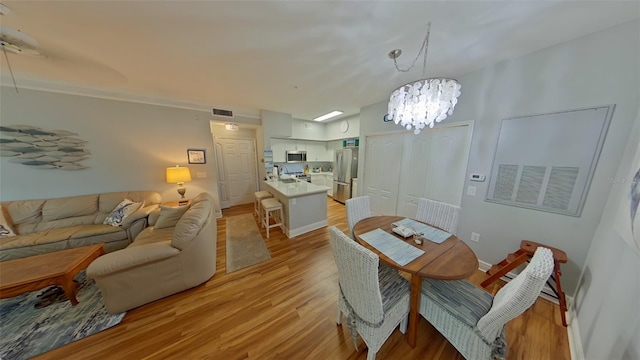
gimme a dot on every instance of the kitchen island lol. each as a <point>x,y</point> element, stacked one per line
<point>304,205</point>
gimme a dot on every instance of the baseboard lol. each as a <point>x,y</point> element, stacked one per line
<point>305,229</point>
<point>573,333</point>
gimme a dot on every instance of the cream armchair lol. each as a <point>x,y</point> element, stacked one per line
<point>160,262</point>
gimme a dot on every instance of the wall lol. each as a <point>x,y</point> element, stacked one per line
<point>598,69</point>
<point>609,289</point>
<point>131,145</point>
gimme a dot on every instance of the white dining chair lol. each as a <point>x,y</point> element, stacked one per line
<point>375,302</point>
<point>358,208</point>
<point>440,214</point>
<point>473,320</point>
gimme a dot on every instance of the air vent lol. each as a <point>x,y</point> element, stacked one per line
<point>221,112</point>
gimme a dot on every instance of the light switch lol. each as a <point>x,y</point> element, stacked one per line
<point>201,175</point>
<point>471,190</point>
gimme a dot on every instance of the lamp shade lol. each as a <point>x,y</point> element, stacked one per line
<point>178,174</point>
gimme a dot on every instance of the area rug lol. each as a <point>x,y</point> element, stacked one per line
<point>245,246</point>
<point>26,331</point>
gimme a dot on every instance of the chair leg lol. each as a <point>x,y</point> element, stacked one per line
<point>371,355</point>
<point>339,321</point>
<point>404,323</point>
<point>266,224</point>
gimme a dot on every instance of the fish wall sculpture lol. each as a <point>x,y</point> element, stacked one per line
<point>43,149</point>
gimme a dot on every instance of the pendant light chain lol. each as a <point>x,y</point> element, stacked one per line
<point>10,70</point>
<point>425,45</point>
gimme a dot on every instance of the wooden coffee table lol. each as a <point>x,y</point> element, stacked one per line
<point>36,272</point>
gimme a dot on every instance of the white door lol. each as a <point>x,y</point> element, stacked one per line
<point>221,174</point>
<point>382,172</point>
<point>240,170</point>
<point>435,166</point>
<point>401,168</point>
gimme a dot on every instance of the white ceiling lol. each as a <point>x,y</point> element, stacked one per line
<point>304,58</point>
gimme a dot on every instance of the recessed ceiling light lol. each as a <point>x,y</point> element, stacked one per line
<point>328,116</point>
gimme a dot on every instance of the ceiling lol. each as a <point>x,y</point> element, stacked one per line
<point>304,58</point>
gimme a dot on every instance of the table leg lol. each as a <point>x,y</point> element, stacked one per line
<point>70,289</point>
<point>414,309</point>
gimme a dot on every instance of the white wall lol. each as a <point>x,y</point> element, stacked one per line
<point>608,297</point>
<point>598,69</point>
<point>131,145</point>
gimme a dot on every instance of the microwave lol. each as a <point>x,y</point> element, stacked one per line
<point>296,156</point>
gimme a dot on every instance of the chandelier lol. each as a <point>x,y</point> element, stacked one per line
<point>422,103</point>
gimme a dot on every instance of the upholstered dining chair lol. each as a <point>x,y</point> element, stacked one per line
<point>473,320</point>
<point>438,213</point>
<point>375,302</point>
<point>357,209</point>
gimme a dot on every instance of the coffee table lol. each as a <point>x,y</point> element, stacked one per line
<point>36,272</point>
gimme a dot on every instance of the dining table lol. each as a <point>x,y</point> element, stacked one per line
<point>451,259</point>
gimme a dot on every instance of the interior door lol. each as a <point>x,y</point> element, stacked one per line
<point>239,162</point>
<point>382,172</point>
<point>435,167</point>
<point>221,174</point>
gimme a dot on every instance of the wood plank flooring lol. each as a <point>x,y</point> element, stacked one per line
<point>285,308</point>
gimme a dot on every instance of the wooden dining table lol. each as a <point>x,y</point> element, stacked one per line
<point>450,260</point>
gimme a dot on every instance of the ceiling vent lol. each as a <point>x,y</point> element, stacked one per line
<point>223,113</point>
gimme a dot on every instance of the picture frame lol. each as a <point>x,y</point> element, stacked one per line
<point>196,156</point>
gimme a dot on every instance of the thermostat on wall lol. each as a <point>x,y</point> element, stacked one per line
<point>476,177</point>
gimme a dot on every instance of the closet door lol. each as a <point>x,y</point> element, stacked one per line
<point>382,172</point>
<point>434,167</point>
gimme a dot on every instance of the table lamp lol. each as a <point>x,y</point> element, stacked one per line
<point>179,175</point>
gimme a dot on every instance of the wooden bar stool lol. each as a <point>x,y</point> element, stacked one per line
<point>258,196</point>
<point>513,260</point>
<point>271,205</point>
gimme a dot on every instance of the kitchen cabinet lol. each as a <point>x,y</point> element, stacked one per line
<point>278,148</point>
<point>317,151</point>
<point>328,178</point>
<point>318,179</point>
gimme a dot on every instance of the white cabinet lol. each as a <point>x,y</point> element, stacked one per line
<point>328,178</point>
<point>316,151</point>
<point>354,187</point>
<point>317,179</point>
<point>278,147</point>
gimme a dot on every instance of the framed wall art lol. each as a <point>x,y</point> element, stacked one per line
<point>196,156</point>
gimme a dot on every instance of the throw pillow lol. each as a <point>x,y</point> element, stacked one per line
<point>170,215</point>
<point>5,228</point>
<point>124,209</point>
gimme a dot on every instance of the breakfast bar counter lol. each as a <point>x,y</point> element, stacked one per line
<point>304,205</point>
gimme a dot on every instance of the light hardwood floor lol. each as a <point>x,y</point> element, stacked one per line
<point>285,308</point>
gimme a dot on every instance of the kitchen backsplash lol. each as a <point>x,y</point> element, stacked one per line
<point>290,168</point>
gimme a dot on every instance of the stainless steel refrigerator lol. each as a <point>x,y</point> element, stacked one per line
<point>345,168</point>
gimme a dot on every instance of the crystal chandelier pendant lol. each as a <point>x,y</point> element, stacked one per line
<point>423,103</point>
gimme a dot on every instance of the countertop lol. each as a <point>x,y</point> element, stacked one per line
<point>298,188</point>
<point>321,173</point>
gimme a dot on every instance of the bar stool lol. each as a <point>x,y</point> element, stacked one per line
<point>272,205</point>
<point>258,196</point>
<point>513,260</point>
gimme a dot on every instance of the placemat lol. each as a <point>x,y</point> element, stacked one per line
<point>394,248</point>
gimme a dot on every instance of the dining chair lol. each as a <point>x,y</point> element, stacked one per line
<point>473,320</point>
<point>374,302</point>
<point>440,214</point>
<point>357,209</point>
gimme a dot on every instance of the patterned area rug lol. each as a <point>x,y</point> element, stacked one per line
<point>245,246</point>
<point>26,331</point>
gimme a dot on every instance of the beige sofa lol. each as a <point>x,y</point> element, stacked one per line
<point>49,225</point>
<point>160,261</point>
